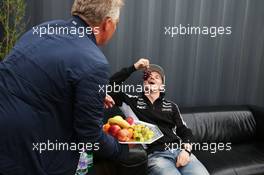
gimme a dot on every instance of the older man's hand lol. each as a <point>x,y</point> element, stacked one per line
<point>142,63</point>
<point>183,159</point>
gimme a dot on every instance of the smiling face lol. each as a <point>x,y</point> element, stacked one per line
<point>153,83</point>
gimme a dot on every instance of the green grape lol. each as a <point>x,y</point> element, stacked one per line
<point>142,133</point>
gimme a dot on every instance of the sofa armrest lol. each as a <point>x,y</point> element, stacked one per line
<point>136,163</point>
<point>258,113</point>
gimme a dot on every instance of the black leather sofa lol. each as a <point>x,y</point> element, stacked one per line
<point>229,140</point>
<point>242,126</point>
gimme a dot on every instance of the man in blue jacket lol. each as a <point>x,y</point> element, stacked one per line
<point>50,104</point>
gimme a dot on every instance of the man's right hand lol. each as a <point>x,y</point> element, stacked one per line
<point>142,63</point>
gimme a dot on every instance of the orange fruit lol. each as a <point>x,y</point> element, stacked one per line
<point>130,130</point>
<point>106,127</point>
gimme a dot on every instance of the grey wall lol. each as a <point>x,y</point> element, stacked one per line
<point>39,11</point>
<point>200,70</point>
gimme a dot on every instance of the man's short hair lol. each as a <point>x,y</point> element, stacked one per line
<point>94,11</point>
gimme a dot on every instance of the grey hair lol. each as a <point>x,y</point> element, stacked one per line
<point>95,11</point>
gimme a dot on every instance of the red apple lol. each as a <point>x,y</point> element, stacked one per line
<point>113,130</point>
<point>130,120</point>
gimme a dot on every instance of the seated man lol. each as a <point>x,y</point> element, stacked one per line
<point>152,107</point>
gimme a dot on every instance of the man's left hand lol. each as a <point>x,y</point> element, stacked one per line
<point>183,159</point>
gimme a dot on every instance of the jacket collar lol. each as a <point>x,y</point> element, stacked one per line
<point>79,22</point>
<point>161,97</point>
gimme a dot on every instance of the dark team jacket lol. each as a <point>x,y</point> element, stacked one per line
<point>163,113</point>
<point>49,91</point>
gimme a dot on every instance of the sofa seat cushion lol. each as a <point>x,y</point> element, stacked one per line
<point>242,159</point>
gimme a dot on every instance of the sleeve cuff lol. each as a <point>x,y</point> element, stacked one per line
<point>123,152</point>
<point>132,69</point>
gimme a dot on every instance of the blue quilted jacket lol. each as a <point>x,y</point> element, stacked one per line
<point>50,95</point>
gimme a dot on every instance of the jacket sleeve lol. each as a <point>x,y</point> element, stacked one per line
<point>88,119</point>
<point>116,80</point>
<point>181,128</point>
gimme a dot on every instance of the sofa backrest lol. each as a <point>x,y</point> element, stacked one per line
<point>220,124</point>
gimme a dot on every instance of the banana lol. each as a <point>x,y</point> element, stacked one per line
<point>119,121</point>
<point>118,117</point>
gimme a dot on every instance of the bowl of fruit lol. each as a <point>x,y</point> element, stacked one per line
<point>132,131</point>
